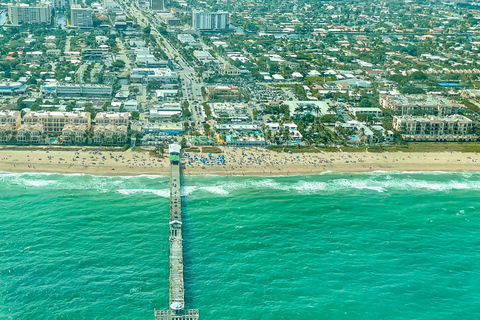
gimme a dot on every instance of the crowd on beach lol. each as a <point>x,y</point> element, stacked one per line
<point>232,161</point>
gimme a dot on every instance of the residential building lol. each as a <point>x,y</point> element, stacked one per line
<point>157,5</point>
<point>23,14</point>
<point>74,134</point>
<point>110,134</point>
<point>433,128</point>
<point>81,17</point>
<point>54,122</point>
<point>113,118</point>
<point>11,119</point>
<point>208,21</point>
<point>30,133</point>
<point>94,54</point>
<point>77,90</point>
<point>416,104</point>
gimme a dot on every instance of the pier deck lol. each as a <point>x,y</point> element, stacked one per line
<point>177,309</point>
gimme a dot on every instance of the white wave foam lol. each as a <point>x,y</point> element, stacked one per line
<point>165,193</point>
<point>36,183</point>
<point>215,189</point>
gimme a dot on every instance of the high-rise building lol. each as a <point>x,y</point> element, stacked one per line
<point>81,17</point>
<point>157,5</point>
<point>22,14</point>
<point>210,21</point>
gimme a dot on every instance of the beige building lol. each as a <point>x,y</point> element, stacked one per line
<point>431,128</point>
<point>113,118</point>
<point>31,133</point>
<point>11,118</point>
<point>419,104</point>
<point>74,134</point>
<point>55,121</point>
<point>10,121</point>
<point>109,134</point>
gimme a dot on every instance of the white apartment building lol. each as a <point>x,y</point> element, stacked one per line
<point>54,122</point>
<point>78,90</point>
<point>210,21</point>
<point>81,17</point>
<point>23,14</point>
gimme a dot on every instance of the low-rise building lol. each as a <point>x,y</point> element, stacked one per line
<point>113,118</point>
<point>94,54</point>
<point>54,122</point>
<point>31,133</point>
<point>233,112</point>
<point>11,119</point>
<point>416,104</point>
<point>377,112</point>
<point>433,128</point>
<point>9,88</point>
<point>166,110</point>
<point>78,90</point>
<point>164,75</point>
<point>74,134</point>
<point>110,134</point>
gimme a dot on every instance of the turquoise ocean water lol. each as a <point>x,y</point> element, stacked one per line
<point>334,246</point>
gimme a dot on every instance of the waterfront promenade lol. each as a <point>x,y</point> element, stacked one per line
<point>177,309</point>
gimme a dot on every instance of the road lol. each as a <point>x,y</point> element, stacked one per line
<point>191,84</point>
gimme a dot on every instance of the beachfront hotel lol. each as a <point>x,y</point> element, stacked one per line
<point>432,128</point>
<point>54,122</point>
<point>417,104</point>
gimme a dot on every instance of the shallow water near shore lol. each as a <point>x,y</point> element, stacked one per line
<point>381,245</point>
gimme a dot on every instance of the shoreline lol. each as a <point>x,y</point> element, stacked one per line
<point>238,162</point>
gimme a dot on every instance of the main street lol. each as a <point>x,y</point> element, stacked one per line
<point>185,70</point>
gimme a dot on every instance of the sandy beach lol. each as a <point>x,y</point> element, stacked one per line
<point>244,161</point>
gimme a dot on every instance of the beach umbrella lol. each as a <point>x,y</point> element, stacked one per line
<point>289,151</point>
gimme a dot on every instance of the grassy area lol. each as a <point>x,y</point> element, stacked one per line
<point>211,150</point>
<point>62,148</point>
<point>430,147</point>
<point>466,147</point>
<point>192,149</point>
<point>302,149</point>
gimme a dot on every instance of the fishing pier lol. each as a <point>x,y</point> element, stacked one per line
<point>177,310</point>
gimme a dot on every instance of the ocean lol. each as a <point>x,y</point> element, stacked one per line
<point>382,245</point>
